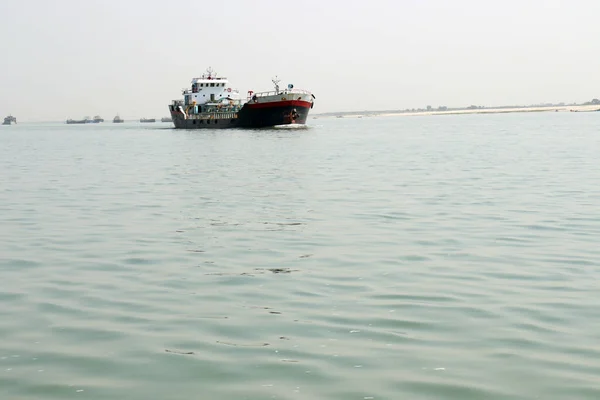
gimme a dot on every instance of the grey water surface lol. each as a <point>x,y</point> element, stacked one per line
<point>433,257</point>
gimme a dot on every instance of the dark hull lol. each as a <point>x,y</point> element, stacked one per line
<point>84,121</point>
<point>260,115</point>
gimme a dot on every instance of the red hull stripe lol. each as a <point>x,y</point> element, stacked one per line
<point>283,103</point>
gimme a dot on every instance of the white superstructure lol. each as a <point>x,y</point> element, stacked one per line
<point>209,88</point>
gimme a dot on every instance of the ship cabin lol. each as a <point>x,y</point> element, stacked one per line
<point>210,88</point>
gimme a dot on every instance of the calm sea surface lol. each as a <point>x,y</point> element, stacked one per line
<point>444,257</point>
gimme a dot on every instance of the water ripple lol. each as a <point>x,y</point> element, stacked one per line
<point>377,258</point>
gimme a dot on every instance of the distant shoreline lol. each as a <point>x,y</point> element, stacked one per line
<point>491,110</point>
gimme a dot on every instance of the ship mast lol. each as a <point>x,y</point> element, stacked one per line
<point>210,72</point>
<point>276,83</point>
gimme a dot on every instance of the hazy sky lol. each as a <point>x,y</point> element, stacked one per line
<point>72,58</point>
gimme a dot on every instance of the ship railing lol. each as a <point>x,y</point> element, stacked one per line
<point>281,92</point>
<point>215,110</point>
<point>198,90</point>
<point>214,115</point>
<point>223,110</point>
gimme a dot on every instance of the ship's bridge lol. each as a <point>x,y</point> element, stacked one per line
<point>209,88</point>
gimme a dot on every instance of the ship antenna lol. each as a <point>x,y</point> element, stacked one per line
<point>210,72</point>
<point>276,83</point>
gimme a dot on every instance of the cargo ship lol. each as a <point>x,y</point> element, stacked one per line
<point>147,119</point>
<point>212,103</point>
<point>86,120</point>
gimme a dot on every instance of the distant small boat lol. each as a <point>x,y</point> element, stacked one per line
<point>97,119</point>
<point>9,120</point>
<point>118,120</point>
<point>148,120</point>
<point>166,119</point>
<point>79,121</point>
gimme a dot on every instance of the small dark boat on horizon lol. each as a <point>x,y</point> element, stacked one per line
<point>85,120</point>
<point>9,120</point>
<point>148,120</point>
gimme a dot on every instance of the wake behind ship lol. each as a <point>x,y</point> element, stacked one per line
<point>211,103</point>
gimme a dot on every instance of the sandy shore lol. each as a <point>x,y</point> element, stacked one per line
<point>476,111</point>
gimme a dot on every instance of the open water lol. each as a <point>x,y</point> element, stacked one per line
<point>442,257</point>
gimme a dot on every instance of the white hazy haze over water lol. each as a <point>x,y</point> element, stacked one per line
<point>72,58</point>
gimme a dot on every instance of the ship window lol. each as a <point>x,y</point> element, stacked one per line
<point>212,84</point>
<point>202,85</point>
